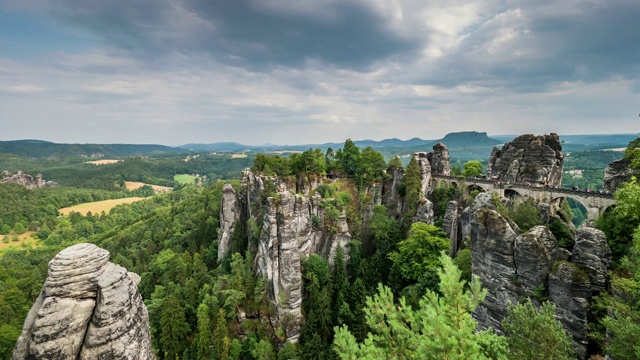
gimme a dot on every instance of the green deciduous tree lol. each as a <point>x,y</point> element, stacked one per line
<point>441,328</point>
<point>536,334</point>
<point>472,168</point>
<point>419,254</point>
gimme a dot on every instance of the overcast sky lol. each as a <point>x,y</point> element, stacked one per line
<point>311,71</point>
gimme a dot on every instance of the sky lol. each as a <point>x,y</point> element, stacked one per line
<point>312,71</point>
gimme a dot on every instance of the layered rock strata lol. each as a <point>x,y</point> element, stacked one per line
<point>89,308</point>
<point>534,159</point>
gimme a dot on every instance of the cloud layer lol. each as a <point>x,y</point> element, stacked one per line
<point>258,71</point>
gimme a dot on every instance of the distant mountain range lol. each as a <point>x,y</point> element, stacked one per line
<point>464,139</point>
<point>462,145</point>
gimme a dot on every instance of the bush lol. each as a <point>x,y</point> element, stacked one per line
<point>463,262</point>
<point>562,234</point>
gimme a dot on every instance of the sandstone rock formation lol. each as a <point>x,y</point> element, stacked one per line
<point>617,173</point>
<point>26,180</point>
<point>528,158</point>
<point>592,254</point>
<point>439,160</point>
<point>425,212</point>
<point>425,172</point>
<point>450,226</point>
<point>229,216</point>
<point>89,308</point>
<point>511,265</point>
<point>570,290</point>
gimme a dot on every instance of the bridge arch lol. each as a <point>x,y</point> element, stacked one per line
<point>513,195</point>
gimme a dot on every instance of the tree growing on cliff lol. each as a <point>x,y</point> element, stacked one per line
<point>418,257</point>
<point>441,328</point>
<point>412,185</point>
<point>536,334</point>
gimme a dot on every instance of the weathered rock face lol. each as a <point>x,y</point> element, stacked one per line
<point>89,308</point>
<point>229,216</point>
<point>591,252</point>
<point>450,226</point>
<point>617,173</point>
<point>492,259</point>
<point>570,290</point>
<point>440,161</point>
<point>288,233</point>
<point>535,252</point>
<point>425,172</point>
<point>26,180</point>
<point>392,199</point>
<point>425,212</point>
<point>511,266</point>
<point>528,158</point>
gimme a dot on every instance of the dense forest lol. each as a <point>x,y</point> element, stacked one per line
<point>396,295</point>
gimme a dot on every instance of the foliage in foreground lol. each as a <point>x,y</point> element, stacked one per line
<point>623,323</point>
<point>535,334</point>
<point>441,328</point>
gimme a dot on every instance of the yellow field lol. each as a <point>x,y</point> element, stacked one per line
<point>98,207</point>
<point>132,185</point>
<point>103,162</point>
<point>24,239</point>
<point>238,156</point>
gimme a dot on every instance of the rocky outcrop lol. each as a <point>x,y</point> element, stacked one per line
<point>592,254</point>
<point>450,226</point>
<point>535,252</point>
<point>528,158</point>
<point>392,199</point>
<point>425,172</point>
<point>424,212</point>
<point>617,173</point>
<point>229,216</point>
<point>289,232</point>
<point>570,291</point>
<point>26,180</point>
<point>89,308</point>
<point>512,265</point>
<point>492,259</point>
<point>439,160</point>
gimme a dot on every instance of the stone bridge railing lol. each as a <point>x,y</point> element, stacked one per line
<point>531,187</point>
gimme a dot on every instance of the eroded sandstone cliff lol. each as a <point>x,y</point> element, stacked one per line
<point>89,308</point>
<point>528,158</point>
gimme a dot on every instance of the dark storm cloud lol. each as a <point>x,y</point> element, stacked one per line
<point>352,36</point>
<point>247,33</point>
<point>540,43</point>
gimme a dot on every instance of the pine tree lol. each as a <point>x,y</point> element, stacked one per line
<point>536,334</point>
<point>412,184</point>
<point>441,328</point>
<point>173,328</point>
<point>221,343</point>
<point>203,341</point>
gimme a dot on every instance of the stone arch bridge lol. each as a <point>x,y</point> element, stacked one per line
<point>596,203</point>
